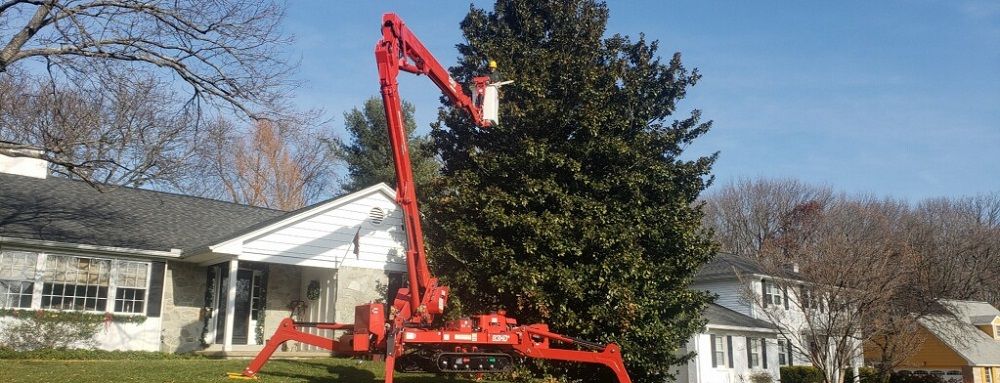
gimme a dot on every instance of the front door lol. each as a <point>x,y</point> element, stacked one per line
<point>241,318</point>
<point>246,291</point>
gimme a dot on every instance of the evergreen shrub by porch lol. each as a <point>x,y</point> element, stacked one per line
<point>801,374</point>
<point>49,330</point>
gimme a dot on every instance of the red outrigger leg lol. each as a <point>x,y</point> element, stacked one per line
<point>288,330</point>
<point>610,356</point>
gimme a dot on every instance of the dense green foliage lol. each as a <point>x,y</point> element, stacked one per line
<point>868,375</point>
<point>578,209</point>
<point>367,153</point>
<point>72,316</point>
<point>35,330</point>
<point>801,374</point>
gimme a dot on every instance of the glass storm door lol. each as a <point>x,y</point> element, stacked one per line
<point>241,317</point>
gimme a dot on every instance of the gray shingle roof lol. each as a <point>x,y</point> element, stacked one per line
<point>724,265</point>
<point>57,209</point>
<point>718,315</point>
<point>958,332</point>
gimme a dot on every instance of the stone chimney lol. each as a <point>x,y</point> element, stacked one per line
<point>22,160</point>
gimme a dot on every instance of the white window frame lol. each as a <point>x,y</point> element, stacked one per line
<point>24,279</point>
<point>783,353</point>
<point>720,350</point>
<point>115,286</point>
<point>772,294</point>
<point>753,352</point>
<point>62,296</point>
<point>39,281</point>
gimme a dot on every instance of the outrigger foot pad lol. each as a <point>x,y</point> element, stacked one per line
<point>240,376</point>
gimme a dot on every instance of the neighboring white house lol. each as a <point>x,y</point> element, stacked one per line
<point>732,348</point>
<point>205,274</point>
<point>731,278</point>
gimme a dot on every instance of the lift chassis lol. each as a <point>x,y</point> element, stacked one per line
<point>406,334</point>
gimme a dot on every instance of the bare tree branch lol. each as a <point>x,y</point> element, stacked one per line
<point>227,52</point>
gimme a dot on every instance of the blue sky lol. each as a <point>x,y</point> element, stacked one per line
<point>893,98</point>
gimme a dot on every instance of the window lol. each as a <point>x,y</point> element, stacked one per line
<point>256,303</point>
<point>783,354</point>
<point>987,374</point>
<point>76,283</point>
<point>753,352</point>
<point>772,294</point>
<point>718,351</point>
<point>17,276</point>
<point>72,283</point>
<point>130,287</point>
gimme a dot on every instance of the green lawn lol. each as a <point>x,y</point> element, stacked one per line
<point>325,370</point>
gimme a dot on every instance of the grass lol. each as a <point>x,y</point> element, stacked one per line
<point>324,370</point>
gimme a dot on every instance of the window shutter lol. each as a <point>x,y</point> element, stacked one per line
<point>785,292</point>
<point>763,352</point>
<point>803,297</point>
<point>749,352</point>
<point>791,359</point>
<point>763,292</point>
<point>715,363</point>
<point>155,290</point>
<point>729,340</point>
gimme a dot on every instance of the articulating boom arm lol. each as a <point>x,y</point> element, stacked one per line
<point>399,49</point>
<point>479,344</point>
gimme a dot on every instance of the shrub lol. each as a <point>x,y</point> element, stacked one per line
<point>48,330</point>
<point>801,374</point>
<point>760,377</point>
<point>897,378</point>
<point>868,375</point>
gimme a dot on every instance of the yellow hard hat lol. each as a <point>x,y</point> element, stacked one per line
<point>493,64</point>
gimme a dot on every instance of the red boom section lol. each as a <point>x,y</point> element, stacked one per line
<point>481,344</point>
<point>399,49</point>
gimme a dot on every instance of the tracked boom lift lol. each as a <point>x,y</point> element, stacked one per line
<point>407,335</point>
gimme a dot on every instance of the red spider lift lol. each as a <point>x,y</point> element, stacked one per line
<point>407,335</point>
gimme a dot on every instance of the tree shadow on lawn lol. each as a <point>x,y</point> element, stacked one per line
<point>351,374</point>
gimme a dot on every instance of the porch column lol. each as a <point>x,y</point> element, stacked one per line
<point>227,343</point>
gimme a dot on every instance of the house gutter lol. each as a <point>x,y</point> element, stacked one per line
<point>741,328</point>
<point>37,243</point>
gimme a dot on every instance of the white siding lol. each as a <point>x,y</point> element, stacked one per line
<point>326,238</point>
<point>730,294</point>
<point>699,369</point>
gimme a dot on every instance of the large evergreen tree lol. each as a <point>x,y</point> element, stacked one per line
<point>367,153</point>
<point>578,209</point>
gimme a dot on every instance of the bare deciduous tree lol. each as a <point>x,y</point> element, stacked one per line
<point>837,285</point>
<point>868,269</point>
<point>281,165</point>
<point>961,236</point>
<point>225,52</point>
<point>125,135</point>
<point>746,214</point>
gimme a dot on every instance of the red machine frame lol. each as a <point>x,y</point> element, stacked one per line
<point>409,340</point>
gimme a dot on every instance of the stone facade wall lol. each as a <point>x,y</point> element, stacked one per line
<point>356,286</point>
<point>282,289</point>
<point>183,300</point>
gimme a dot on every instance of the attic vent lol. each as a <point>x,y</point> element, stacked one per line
<point>376,215</point>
